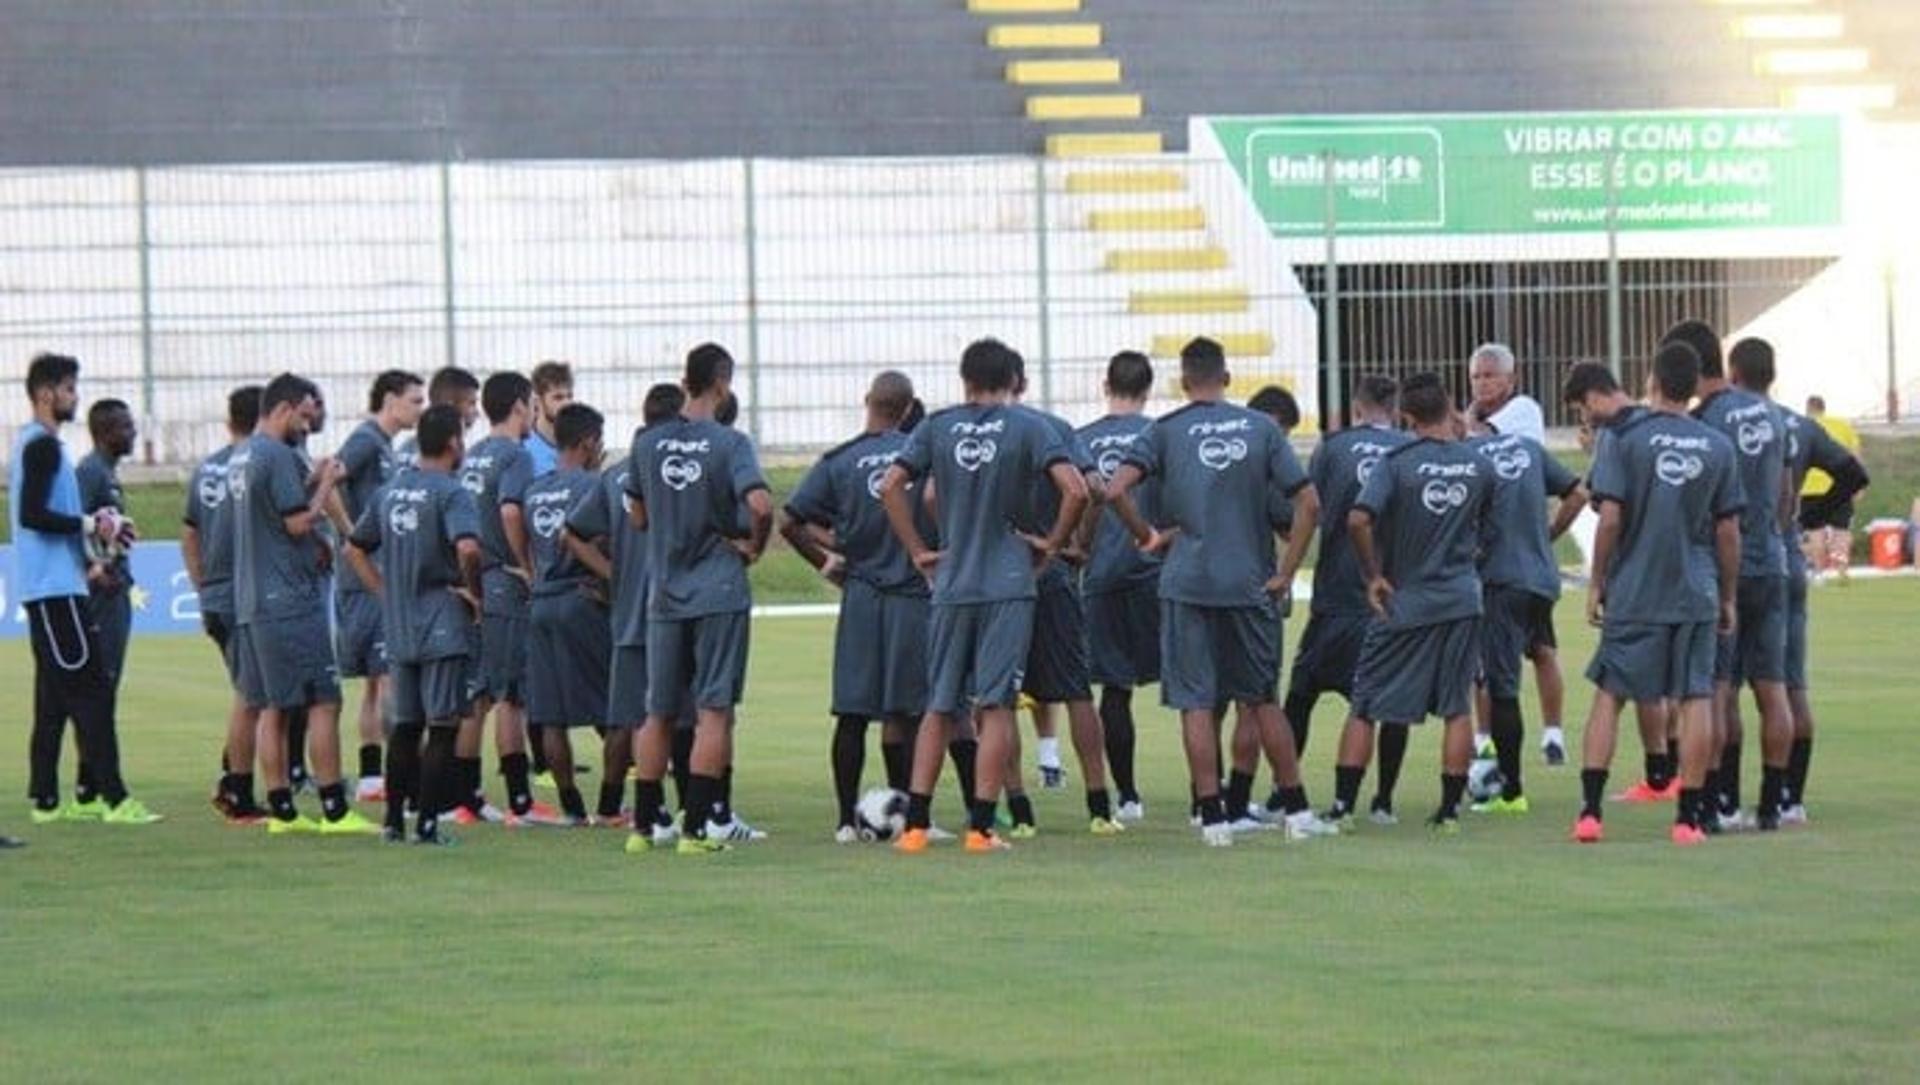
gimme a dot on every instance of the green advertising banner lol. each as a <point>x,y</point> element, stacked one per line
<point>1538,173</point>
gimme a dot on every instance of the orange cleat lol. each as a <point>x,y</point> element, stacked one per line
<point>913,842</point>
<point>1688,835</point>
<point>985,842</point>
<point>1645,792</point>
<point>1588,830</point>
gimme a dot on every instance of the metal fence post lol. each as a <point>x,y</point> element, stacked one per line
<point>1330,310</point>
<point>1615,348</point>
<point>446,263</point>
<point>1046,292</point>
<point>1891,288</point>
<point>753,301</point>
<point>145,256</point>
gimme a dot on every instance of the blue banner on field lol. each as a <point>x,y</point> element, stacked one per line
<point>163,597</point>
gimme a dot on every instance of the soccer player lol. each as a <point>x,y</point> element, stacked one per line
<point>570,646</point>
<point>691,482</point>
<point>880,649</point>
<point>1665,567</point>
<point>1415,528</point>
<point>1121,583</point>
<point>600,520</point>
<point>1827,514</point>
<point>367,459</point>
<point>416,548</point>
<point>206,549</point>
<point>1521,582</point>
<point>552,391</point>
<point>497,471</point>
<point>1329,648</point>
<point>1756,652</point>
<point>980,456</point>
<point>71,680</point>
<point>110,583</point>
<point>285,660</point>
<point>1220,467</point>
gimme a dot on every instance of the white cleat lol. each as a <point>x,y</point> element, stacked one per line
<point>733,831</point>
<point>1265,814</point>
<point>1380,815</point>
<point>846,834</point>
<point>491,814</point>
<point>666,834</point>
<point>1218,835</point>
<point>1793,815</point>
<point>370,789</point>
<point>1306,825</point>
<point>1249,824</point>
<point>1130,811</point>
<point>936,835</point>
<point>1738,821</point>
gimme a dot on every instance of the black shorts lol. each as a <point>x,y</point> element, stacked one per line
<point>1123,635</point>
<point>1825,511</point>
<point>1515,623</point>
<point>219,629</point>
<point>1643,662</point>
<point>567,661</point>
<point>1058,668</point>
<point>429,691</point>
<point>880,653</point>
<point>1329,653</point>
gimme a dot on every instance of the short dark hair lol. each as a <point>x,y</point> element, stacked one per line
<point>1277,403</point>
<point>987,365</point>
<point>1130,375</point>
<point>727,411</point>
<point>449,382</point>
<point>440,426</point>
<point>1677,369</point>
<point>1705,342</point>
<point>916,414</point>
<point>1752,362</point>
<point>1375,390</point>
<point>663,402</point>
<point>550,375</point>
<point>1588,378</point>
<point>502,392</point>
<point>575,425</point>
<point>391,382</point>
<point>49,370</point>
<point>101,411</point>
<point>289,388</point>
<point>243,408</point>
<point>707,365</point>
<point>891,393</point>
<point>1425,399</point>
<point>1019,363</point>
<point>1816,403</point>
<point>1203,361</point>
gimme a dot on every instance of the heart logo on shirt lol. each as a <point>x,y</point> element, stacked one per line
<point>876,479</point>
<point>1218,453</point>
<point>1511,465</point>
<point>972,452</point>
<point>1441,498</point>
<point>547,520</point>
<point>1677,469</point>
<point>680,472</point>
<point>213,490</point>
<point>1363,469</point>
<point>1754,436</point>
<point>1109,464</point>
<point>473,482</point>
<point>403,519</point>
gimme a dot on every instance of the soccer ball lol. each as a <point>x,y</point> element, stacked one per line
<point>109,539</point>
<point>1484,780</point>
<point>882,813</point>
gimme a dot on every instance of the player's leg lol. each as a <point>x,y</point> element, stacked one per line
<point>406,739</point>
<point>849,760</point>
<point>949,663</point>
<point>862,652</point>
<point>1390,754</point>
<point>559,746</point>
<point>438,779</point>
<point>721,642</point>
<point>1504,631</point>
<point>1690,672</point>
<point>1243,758</point>
<point>1450,651</point>
<point>616,757</point>
<point>1118,733</point>
<point>1764,617</point>
<point>1598,740</point>
<point>1020,814</point>
<point>1551,685</point>
<point>510,749</point>
<point>1350,769</point>
<point>1046,736</point>
<point>896,750</point>
<point>371,786</point>
<point>1380,689</point>
<point>49,722</point>
<point>719,663</point>
<point>1000,644</point>
<point>1800,753</point>
<point>1190,649</point>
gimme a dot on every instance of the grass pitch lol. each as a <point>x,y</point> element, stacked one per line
<point>189,951</point>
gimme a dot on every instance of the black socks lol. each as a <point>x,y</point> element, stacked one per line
<point>1509,735</point>
<point>1116,725</point>
<point>1593,786</point>
<point>849,760</point>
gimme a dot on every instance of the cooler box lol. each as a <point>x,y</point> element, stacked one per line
<point>1887,540</point>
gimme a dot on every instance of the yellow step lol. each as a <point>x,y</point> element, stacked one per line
<point>1242,386</point>
<point>1044,35</point>
<point>1021,7</point>
<point>1057,72</point>
<point>1223,300</point>
<point>1102,144</point>
<point>1844,60</point>
<point>1148,219</point>
<point>1208,258</point>
<point>1796,26</point>
<point>1084,107</point>
<point>1841,97</point>
<point>1091,182</point>
<point>1236,344</point>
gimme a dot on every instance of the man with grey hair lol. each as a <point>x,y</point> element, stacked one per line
<point>1499,404</point>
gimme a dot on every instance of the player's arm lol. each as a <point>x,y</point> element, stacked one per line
<point>1360,534</point>
<point>301,522</point>
<point>190,554</point>
<point>362,562</point>
<point>1120,500</point>
<point>39,462</point>
<point>800,534</point>
<point>1306,517</point>
<point>759,524</point>
<point>1073,504</point>
<point>513,525</point>
<point>466,554</point>
<point>1606,538</point>
<point>895,498</point>
<point>1571,503</point>
<point>1726,552</point>
<point>586,553</point>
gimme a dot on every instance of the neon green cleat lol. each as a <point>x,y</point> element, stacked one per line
<point>1023,832</point>
<point>1512,806</point>
<point>1440,826</point>
<point>351,823</point>
<point>131,811</point>
<point>543,779</point>
<point>1106,827</point>
<point>700,845</point>
<point>295,824</point>
<point>639,843</point>
<point>92,810</point>
<point>47,817</point>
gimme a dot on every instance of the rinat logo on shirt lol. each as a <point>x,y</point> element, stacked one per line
<point>1442,497</point>
<point>213,490</point>
<point>680,472</point>
<point>1220,453</point>
<point>973,452</point>
<point>1755,436</point>
<point>1677,468</point>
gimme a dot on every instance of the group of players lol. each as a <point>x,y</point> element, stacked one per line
<point>985,552</point>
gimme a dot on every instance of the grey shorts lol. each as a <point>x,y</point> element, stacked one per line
<point>1209,655</point>
<point>502,666</point>
<point>1797,632</point>
<point>880,653</point>
<point>429,691</point>
<point>702,660</point>
<point>1757,651</point>
<point>1058,667</point>
<point>286,663</point>
<point>568,653</point>
<point>976,654</point>
<point>359,640</point>
<point>220,630</point>
<point>1329,653</point>
<point>1514,622</point>
<point>1406,675</point>
<point>627,686</point>
<point>1641,662</point>
<point>1123,635</point>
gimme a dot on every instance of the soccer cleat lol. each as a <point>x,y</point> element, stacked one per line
<point>370,789</point>
<point>295,824</point>
<point>1735,821</point>
<point>1767,822</point>
<point>1518,805</point>
<point>1217,835</point>
<point>545,780</point>
<point>979,842</point>
<point>463,816</point>
<point>734,830</point>
<point>1688,835</point>
<point>938,835</point>
<point>351,823</point>
<point>10,842</point>
<point>1342,819</point>
<point>639,844</point>
<point>1106,827</point>
<point>131,811</point>
<point>699,845</point>
<point>1441,825</point>
<point>93,809</point>
<point>1553,752</point>
<point>1249,824</point>
<point>1380,814</point>
<point>1646,792</point>
<point>611,821</point>
<point>47,816</point>
<point>491,814</point>
<point>390,834</point>
<point>1793,815</point>
<point>1588,830</point>
<point>437,840</point>
<point>1266,815</point>
<point>1052,777</point>
<point>539,814</point>
<point>912,842</point>
<point>1130,811</point>
<point>847,834</point>
<point>1026,830</point>
<point>1306,825</point>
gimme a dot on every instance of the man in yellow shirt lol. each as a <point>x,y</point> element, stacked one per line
<point>1826,517</point>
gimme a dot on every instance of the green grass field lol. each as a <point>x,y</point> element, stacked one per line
<point>189,951</point>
